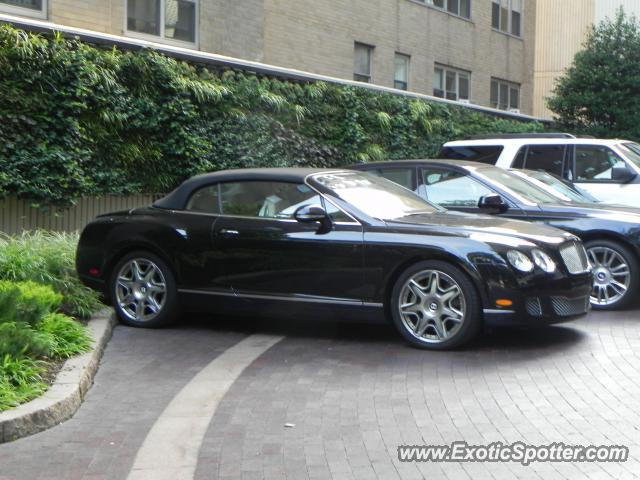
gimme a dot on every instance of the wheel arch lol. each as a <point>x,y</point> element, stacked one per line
<point>472,274</point>
<point>121,251</point>
<point>612,237</point>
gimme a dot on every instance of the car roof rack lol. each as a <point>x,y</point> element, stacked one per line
<point>505,136</point>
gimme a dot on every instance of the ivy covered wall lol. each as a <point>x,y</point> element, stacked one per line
<point>78,120</point>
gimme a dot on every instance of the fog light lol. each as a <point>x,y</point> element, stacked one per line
<point>503,302</point>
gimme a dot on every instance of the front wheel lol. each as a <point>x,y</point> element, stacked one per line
<point>615,275</point>
<point>435,306</point>
<point>143,290</point>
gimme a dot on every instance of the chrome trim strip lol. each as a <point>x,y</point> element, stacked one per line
<point>372,304</point>
<point>493,310</point>
<point>291,298</point>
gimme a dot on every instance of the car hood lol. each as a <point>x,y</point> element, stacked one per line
<point>484,228</point>
<point>604,211</point>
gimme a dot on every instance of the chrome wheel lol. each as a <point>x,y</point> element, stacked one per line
<point>141,290</point>
<point>432,306</point>
<point>611,275</point>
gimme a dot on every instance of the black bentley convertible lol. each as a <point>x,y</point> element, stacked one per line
<point>611,233</point>
<point>331,244</point>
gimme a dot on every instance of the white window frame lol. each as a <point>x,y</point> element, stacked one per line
<point>445,7</point>
<point>509,85</point>
<point>457,72</point>
<point>407,59</point>
<point>161,38</point>
<point>509,20</point>
<point>371,49</point>
<point>25,12</point>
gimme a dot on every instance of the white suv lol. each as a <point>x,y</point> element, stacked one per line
<point>607,169</point>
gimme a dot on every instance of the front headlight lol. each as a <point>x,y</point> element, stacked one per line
<point>544,261</point>
<point>519,261</point>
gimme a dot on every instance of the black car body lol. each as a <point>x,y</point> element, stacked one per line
<point>611,233</point>
<point>325,244</point>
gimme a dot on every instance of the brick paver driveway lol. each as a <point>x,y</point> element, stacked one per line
<point>353,394</point>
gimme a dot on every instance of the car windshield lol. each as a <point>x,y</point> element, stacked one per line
<point>375,196</point>
<point>516,186</point>
<point>631,150</point>
<point>555,186</point>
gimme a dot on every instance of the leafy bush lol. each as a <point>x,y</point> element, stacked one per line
<point>27,302</point>
<point>47,258</point>
<point>68,337</point>
<point>79,120</point>
<point>30,332</point>
<point>20,380</point>
<point>19,339</point>
<point>597,94</point>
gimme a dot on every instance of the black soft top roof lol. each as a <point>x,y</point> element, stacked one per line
<point>178,199</point>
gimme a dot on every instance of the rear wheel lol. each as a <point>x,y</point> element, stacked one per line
<point>435,306</point>
<point>143,291</point>
<point>615,274</point>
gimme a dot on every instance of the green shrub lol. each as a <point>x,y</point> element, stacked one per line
<point>68,337</point>
<point>47,258</point>
<point>26,301</point>
<point>84,120</point>
<point>20,380</point>
<point>19,339</point>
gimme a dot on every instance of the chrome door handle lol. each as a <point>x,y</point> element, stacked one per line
<point>227,232</point>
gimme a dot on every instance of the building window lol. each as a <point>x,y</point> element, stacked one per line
<point>451,83</point>
<point>461,8</point>
<point>30,8</point>
<point>506,16</point>
<point>505,95</point>
<point>401,78</point>
<point>173,20</point>
<point>363,55</point>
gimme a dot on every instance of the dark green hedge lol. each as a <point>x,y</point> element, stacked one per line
<point>80,120</point>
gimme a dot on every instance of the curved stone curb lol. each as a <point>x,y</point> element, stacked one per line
<point>65,396</point>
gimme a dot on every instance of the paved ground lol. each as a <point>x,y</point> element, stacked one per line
<point>354,394</point>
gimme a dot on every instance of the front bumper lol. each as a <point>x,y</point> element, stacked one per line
<point>538,305</point>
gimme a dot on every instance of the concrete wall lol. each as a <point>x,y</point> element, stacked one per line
<point>319,37</point>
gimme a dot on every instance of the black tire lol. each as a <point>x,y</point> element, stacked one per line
<point>169,310</point>
<point>472,319</point>
<point>629,297</point>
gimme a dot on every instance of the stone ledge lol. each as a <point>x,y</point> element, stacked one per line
<point>65,396</point>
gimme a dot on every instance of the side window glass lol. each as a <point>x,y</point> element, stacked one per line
<point>518,162</point>
<point>595,164</point>
<point>548,158</point>
<point>483,154</point>
<point>451,189</point>
<point>205,200</point>
<point>265,199</point>
<point>401,176</point>
<point>335,214</point>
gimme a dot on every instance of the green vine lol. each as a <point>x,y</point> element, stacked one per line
<point>80,120</point>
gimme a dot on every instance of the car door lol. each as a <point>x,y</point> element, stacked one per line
<point>455,190</point>
<point>594,166</point>
<point>265,251</point>
<point>198,262</point>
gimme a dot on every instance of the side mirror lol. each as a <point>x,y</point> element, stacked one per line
<point>622,174</point>
<point>310,213</point>
<point>493,204</point>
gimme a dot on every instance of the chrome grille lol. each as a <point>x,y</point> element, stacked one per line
<point>566,307</point>
<point>575,257</point>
